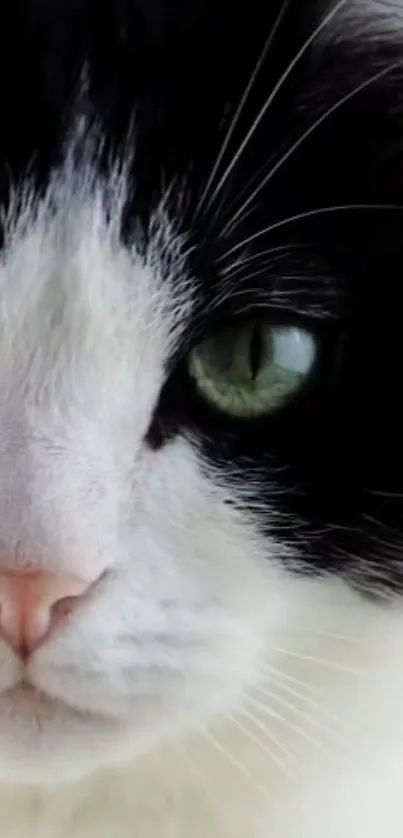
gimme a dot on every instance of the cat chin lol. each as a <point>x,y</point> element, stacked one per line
<point>46,742</point>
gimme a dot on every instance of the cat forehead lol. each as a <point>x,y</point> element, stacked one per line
<point>74,299</point>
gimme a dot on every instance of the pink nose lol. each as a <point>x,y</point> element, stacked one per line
<point>32,605</point>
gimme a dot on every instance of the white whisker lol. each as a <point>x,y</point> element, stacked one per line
<point>277,681</point>
<point>275,293</point>
<point>263,267</point>
<point>311,311</point>
<point>384,494</point>
<point>332,635</point>
<point>248,212</point>
<point>300,731</point>
<point>280,252</point>
<point>303,714</point>
<point>292,679</point>
<point>238,112</point>
<point>229,756</point>
<point>381,524</point>
<point>278,86</point>
<point>322,662</point>
<point>256,741</point>
<point>274,260</point>
<point>270,735</point>
<point>312,128</point>
<point>284,222</point>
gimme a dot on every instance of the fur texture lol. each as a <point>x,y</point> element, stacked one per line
<point>167,168</point>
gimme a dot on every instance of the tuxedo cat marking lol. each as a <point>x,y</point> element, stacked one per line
<point>201,469</point>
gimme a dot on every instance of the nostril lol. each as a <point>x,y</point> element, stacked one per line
<point>60,611</point>
<point>33,605</point>
<point>63,607</point>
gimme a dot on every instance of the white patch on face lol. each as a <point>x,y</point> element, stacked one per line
<point>177,624</point>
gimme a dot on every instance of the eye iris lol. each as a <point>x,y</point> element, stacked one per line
<point>253,370</point>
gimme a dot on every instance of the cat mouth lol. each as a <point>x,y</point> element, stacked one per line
<point>27,697</point>
<point>25,692</point>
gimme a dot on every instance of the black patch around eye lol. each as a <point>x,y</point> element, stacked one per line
<point>182,408</point>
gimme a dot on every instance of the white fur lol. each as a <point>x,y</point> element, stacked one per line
<point>386,15</point>
<point>363,21</point>
<point>203,690</point>
<point>342,732</point>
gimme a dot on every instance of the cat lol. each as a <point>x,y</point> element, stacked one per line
<point>201,465</point>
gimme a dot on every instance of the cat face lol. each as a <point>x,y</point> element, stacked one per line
<point>198,365</point>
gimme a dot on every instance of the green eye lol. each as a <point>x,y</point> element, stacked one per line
<point>252,370</point>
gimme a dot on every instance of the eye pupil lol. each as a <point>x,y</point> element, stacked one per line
<point>255,351</point>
